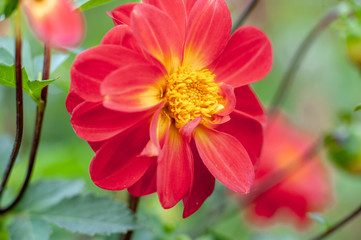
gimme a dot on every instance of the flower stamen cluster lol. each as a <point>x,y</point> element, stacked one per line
<point>192,93</point>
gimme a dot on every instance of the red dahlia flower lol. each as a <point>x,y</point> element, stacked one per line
<point>165,104</point>
<point>305,190</point>
<point>55,22</point>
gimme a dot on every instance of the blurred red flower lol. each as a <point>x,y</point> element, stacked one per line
<point>55,22</point>
<point>308,189</point>
<point>164,101</point>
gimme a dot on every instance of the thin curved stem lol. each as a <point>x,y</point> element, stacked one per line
<point>133,206</point>
<point>251,5</point>
<point>19,103</point>
<point>340,224</point>
<point>297,59</point>
<point>37,131</point>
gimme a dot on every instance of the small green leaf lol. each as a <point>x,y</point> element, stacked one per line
<point>79,3</point>
<point>44,194</point>
<point>90,215</point>
<point>24,227</point>
<point>7,8</point>
<point>358,107</point>
<point>93,3</point>
<point>33,88</point>
<point>87,4</point>
<point>7,75</point>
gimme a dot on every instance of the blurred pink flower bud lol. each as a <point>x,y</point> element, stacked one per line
<point>55,22</point>
<point>306,190</point>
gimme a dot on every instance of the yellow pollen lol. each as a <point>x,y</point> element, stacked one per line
<point>192,93</point>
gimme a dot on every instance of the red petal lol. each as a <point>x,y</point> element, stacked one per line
<point>158,34</point>
<point>175,9</point>
<point>121,14</point>
<point>96,145</point>
<point>202,187</point>
<point>116,165</point>
<point>175,169</point>
<point>146,184</point>
<point>123,36</point>
<point>93,122</point>
<point>92,66</point>
<point>55,22</point>
<point>248,131</point>
<point>226,158</point>
<point>159,127</point>
<point>248,103</point>
<point>247,58</point>
<point>72,101</point>
<point>187,130</point>
<point>229,98</point>
<point>189,5</point>
<point>133,88</point>
<point>208,31</point>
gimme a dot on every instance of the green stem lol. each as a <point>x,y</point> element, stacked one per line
<point>297,59</point>
<point>340,224</point>
<point>133,206</point>
<point>37,131</point>
<point>19,102</point>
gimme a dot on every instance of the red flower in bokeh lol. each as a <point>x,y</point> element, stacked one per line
<point>305,190</point>
<point>55,22</point>
<point>164,101</point>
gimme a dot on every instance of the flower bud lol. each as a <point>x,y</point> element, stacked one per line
<point>55,22</point>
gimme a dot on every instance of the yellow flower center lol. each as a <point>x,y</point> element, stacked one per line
<point>192,93</point>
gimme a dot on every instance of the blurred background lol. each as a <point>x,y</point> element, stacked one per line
<point>327,86</point>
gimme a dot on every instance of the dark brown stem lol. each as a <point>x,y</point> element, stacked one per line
<point>37,131</point>
<point>340,224</point>
<point>297,59</point>
<point>133,206</point>
<point>19,103</point>
<point>251,5</point>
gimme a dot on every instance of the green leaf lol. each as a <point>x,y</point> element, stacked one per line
<point>358,107</point>
<point>7,75</point>
<point>79,3</point>
<point>44,194</point>
<point>93,3</point>
<point>90,215</point>
<point>24,227</point>
<point>7,8</point>
<point>87,4</point>
<point>33,88</point>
